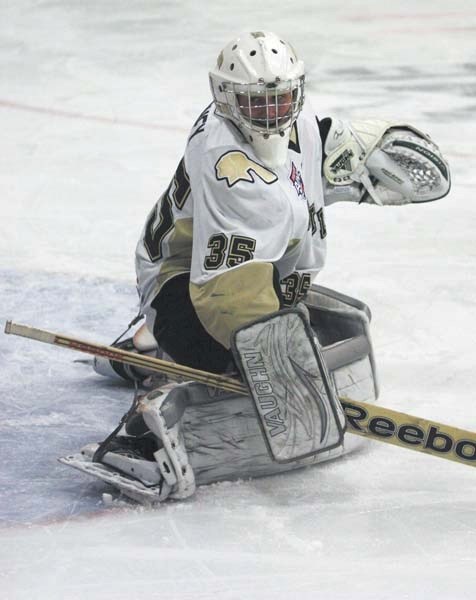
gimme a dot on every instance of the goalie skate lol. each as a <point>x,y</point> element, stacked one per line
<point>146,488</point>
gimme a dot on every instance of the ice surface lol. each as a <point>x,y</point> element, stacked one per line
<point>96,99</point>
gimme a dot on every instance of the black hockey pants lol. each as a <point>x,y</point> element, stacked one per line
<point>180,333</point>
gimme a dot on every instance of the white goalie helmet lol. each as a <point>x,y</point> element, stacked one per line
<point>258,83</point>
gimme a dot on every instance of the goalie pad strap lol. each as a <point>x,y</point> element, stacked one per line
<point>295,401</point>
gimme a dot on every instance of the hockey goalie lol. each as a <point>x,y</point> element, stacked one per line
<point>225,266</point>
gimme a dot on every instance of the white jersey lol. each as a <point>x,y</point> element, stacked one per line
<point>252,238</point>
<point>224,210</point>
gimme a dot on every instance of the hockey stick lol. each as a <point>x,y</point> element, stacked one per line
<point>175,371</point>
<point>368,420</point>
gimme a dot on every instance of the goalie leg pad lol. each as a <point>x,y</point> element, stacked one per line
<point>122,371</point>
<point>142,342</point>
<point>281,361</point>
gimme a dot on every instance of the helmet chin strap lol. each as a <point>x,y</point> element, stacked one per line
<point>271,150</point>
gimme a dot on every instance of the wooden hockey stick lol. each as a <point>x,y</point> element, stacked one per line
<point>173,370</point>
<point>368,420</point>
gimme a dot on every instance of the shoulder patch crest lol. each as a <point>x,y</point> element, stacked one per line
<point>235,166</point>
<point>297,181</point>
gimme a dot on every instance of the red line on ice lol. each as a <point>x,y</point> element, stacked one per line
<point>409,17</point>
<point>87,117</point>
<point>98,513</point>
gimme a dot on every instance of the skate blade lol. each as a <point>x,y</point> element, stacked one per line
<point>131,488</point>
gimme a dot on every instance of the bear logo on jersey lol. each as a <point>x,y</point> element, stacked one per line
<point>235,166</point>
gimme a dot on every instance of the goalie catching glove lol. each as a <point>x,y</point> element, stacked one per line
<point>396,163</point>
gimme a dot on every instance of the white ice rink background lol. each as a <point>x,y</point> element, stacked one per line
<point>96,99</point>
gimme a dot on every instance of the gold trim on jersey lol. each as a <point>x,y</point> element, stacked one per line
<point>234,298</point>
<point>294,140</point>
<point>179,250</point>
<point>293,135</point>
<point>292,244</point>
<point>235,166</point>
